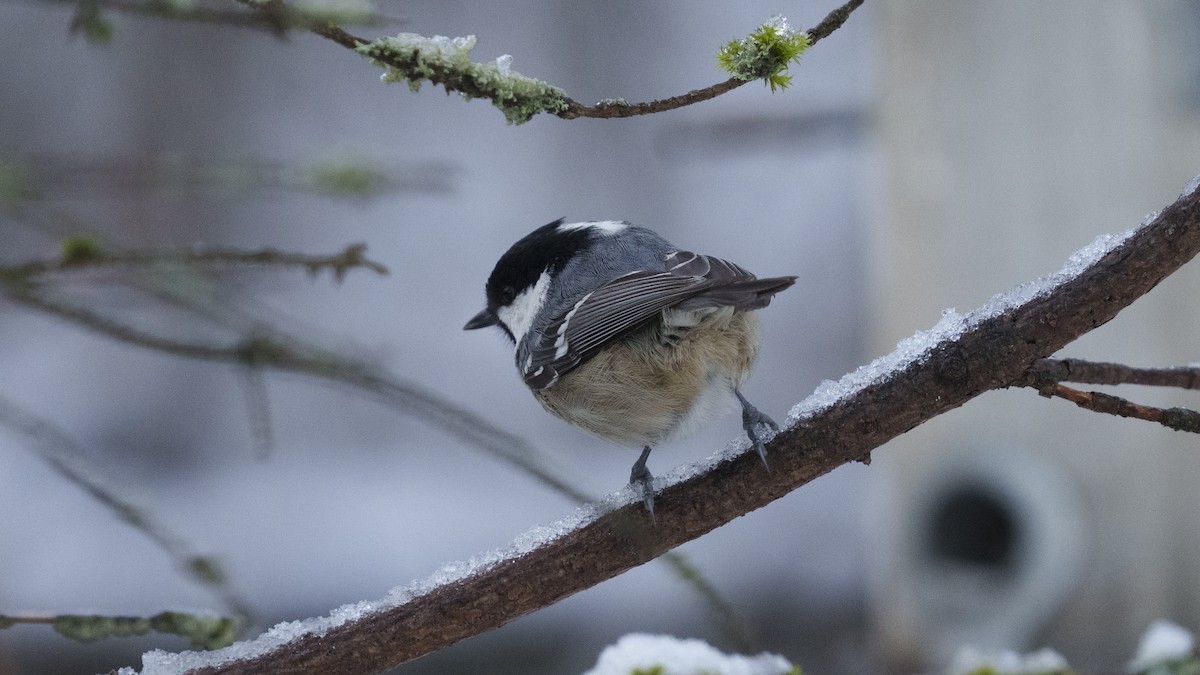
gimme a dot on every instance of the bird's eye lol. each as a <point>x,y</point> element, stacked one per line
<point>507,294</point>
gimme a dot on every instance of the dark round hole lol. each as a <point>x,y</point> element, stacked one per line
<point>973,526</point>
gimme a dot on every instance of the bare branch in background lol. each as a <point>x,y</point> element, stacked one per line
<point>271,16</point>
<point>1047,375</point>
<point>70,461</point>
<point>31,176</point>
<point>1092,372</point>
<point>83,252</point>
<point>1179,419</point>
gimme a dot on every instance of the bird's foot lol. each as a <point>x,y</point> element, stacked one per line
<point>641,477</point>
<point>751,418</point>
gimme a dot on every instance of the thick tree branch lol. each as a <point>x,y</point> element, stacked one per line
<point>994,349</point>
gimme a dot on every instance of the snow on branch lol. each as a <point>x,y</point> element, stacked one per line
<point>930,374</point>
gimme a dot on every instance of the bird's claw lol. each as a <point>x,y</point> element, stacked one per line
<point>641,477</point>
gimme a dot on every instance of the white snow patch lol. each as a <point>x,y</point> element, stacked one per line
<point>1163,641</point>
<point>908,350</point>
<point>1192,186</point>
<point>675,656</point>
<point>504,64</point>
<point>780,23</point>
<point>447,47</point>
<point>159,662</point>
<point>970,660</point>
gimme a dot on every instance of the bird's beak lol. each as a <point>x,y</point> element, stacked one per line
<point>482,320</point>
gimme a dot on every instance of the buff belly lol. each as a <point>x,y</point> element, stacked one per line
<point>626,393</point>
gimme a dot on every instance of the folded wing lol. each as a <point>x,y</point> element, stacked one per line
<point>687,281</point>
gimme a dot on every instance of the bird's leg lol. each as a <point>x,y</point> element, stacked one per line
<point>751,418</point>
<point>641,476</point>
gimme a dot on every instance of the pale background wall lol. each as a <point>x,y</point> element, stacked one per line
<point>1010,135</point>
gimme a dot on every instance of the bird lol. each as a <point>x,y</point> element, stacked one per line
<point>626,336</point>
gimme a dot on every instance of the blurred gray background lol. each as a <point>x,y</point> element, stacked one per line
<point>928,155</point>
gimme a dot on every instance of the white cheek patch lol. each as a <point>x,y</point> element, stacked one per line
<point>609,227</point>
<point>518,315</point>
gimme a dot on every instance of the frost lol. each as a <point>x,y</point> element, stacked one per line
<point>1192,186</point>
<point>1162,642</point>
<point>952,325</point>
<point>970,660</point>
<point>666,655</point>
<point>908,350</point>
<point>461,569</point>
<point>504,65</point>
<point>159,662</point>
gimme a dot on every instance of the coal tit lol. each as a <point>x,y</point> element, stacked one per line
<point>626,336</point>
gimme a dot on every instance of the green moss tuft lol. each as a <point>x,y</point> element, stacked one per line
<point>80,249</point>
<point>347,179</point>
<point>208,632</point>
<point>765,54</point>
<point>95,27</point>
<point>14,184</point>
<point>447,61</point>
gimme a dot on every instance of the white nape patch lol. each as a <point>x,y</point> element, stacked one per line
<point>609,227</point>
<point>518,315</point>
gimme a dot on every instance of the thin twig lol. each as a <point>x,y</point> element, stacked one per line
<point>32,619</point>
<point>353,257</point>
<point>830,23</point>
<point>1179,419</point>
<point>274,18</point>
<point>1097,372</point>
<point>608,109</point>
